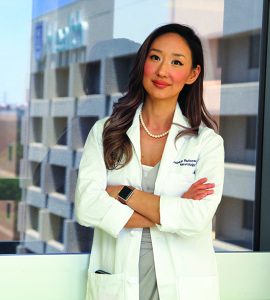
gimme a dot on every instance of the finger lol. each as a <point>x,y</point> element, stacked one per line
<point>200,189</point>
<point>194,196</point>
<point>204,194</point>
<point>200,181</point>
<point>208,192</point>
<point>205,186</point>
<point>198,197</point>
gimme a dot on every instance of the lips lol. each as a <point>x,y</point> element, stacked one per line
<point>160,84</point>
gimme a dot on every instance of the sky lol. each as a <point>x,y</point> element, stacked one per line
<point>15,37</point>
<point>150,13</point>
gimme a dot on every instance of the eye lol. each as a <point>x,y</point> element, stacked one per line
<point>177,62</point>
<point>154,57</point>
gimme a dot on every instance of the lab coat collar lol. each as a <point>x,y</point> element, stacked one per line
<point>171,147</point>
<point>178,119</point>
<point>134,133</point>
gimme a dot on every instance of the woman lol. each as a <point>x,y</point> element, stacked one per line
<point>151,178</point>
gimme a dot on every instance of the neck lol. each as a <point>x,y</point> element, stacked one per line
<point>158,115</point>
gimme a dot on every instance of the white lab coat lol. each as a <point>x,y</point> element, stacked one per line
<point>182,245</point>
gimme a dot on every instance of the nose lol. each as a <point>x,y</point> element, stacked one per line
<point>162,69</point>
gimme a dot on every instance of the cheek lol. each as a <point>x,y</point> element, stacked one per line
<point>179,76</point>
<point>148,69</point>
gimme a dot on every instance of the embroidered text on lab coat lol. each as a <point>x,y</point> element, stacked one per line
<point>186,162</point>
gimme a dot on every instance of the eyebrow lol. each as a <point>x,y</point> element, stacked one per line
<point>175,54</point>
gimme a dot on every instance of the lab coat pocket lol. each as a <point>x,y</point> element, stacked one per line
<point>105,287</point>
<point>199,287</point>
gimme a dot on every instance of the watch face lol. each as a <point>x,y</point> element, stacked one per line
<point>125,192</point>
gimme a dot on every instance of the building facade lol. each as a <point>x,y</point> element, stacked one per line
<point>10,154</point>
<point>82,52</point>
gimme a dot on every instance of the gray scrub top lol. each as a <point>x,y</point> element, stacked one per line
<point>147,273</point>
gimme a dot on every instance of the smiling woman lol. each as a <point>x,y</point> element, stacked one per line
<point>152,157</point>
<point>168,67</point>
<point>152,217</point>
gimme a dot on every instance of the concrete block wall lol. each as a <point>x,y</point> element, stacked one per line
<point>78,157</point>
<point>37,90</point>
<point>32,239</point>
<point>65,104</point>
<point>77,238</point>
<point>35,197</point>
<point>92,105</point>
<point>25,178</point>
<point>80,128</point>
<point>64,123</point>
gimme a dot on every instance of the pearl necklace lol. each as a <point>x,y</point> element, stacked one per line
<point>156,136</point>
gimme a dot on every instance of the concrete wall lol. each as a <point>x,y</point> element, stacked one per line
<point>234,53</point>
<point>61,116</point>
<point>247,13</point>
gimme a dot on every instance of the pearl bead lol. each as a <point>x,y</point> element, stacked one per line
<point>156,136</point>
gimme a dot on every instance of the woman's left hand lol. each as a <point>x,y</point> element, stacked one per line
<point>199,190</point>
<point>113,190</point>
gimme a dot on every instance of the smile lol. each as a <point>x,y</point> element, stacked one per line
<point>160,84</point>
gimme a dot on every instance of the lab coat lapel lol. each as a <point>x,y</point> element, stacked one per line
<point>134,133</point>
<point>171,148</point>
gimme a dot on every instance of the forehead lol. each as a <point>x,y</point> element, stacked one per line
<point>171,43</point>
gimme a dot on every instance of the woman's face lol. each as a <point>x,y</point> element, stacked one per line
<point>168,67</point>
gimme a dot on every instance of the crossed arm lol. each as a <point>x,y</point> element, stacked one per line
<point>146,205</point>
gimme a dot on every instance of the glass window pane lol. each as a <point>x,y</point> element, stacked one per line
<point>239,63</point>
<point>81,56</point>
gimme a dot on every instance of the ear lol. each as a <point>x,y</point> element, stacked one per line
<point>195,72</point>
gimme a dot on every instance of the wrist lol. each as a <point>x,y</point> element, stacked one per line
<point>132,198</point>
<point>125,194</point>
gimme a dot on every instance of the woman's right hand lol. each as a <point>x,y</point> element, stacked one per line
<point>199,189</point>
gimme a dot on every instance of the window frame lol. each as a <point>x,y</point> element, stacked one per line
<point>261,240</point>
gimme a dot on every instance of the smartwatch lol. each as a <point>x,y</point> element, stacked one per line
<point>125,193</point>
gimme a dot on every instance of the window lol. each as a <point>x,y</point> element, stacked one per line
<point>80,68</point>
<point>251,133</point>
<point>254,50</point>
<point>8,210</point>
<point>10,152</point>
<point>248,215</point>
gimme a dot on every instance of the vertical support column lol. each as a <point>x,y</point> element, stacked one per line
<point>262,203</point>
<point>49,83</point>
<point>76,79</point>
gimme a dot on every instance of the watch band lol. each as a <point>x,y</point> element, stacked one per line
<point>125,193</point>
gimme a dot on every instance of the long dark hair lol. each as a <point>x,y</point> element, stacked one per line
<point>116,144</point>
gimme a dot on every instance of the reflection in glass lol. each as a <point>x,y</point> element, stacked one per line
<point>10,192</point>
<point>239,62</point>
<point>99,39</point>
